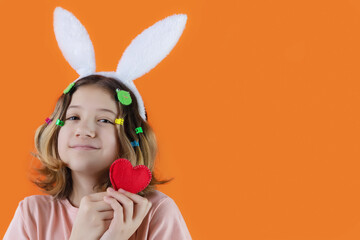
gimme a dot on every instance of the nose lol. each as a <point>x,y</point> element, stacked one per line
<point>85,129</point>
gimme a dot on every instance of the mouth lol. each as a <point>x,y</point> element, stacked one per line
<point>84,147</point>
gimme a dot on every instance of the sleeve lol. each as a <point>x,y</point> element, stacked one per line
<point>168,223</point>
<point>17,228</point>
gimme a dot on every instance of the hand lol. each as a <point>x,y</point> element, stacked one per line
<point>129,211</point>
<point>93,218</point>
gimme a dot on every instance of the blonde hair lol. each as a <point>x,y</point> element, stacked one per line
<point>54,177</point>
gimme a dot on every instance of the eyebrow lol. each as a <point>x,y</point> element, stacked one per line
<point>98,109</point>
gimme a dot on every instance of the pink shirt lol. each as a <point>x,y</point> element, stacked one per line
<point>43,217</point>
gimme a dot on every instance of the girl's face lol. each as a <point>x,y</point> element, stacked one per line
<point>88,142</point>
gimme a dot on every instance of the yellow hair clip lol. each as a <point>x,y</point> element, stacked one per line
<point>119,121</point>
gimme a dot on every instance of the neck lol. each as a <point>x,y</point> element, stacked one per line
<point>83,185</point>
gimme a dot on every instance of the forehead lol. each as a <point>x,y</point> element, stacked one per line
<point>92,97</point>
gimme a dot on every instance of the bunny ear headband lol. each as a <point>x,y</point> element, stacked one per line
<point>145,51</point>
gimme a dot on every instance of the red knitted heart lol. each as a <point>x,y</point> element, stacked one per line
<point>132,179</point>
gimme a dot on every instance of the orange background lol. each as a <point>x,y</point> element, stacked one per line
<point>256,109</point>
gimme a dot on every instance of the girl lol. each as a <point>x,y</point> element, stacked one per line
<point>76,158</point>
<point>92,126</point>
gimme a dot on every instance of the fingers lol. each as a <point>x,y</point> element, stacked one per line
<point>101,206</point>
<point>136,198</point>
<point>126,203</point>
<point>107,216</point>
<point>95,202</point>
<point>135,205</point>
<point>118,209</point>
<point>143,204</point>
<point>95,197</point>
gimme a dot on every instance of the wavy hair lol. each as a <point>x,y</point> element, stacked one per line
<point>54,177</point>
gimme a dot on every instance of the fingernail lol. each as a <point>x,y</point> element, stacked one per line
<point>122,190</point>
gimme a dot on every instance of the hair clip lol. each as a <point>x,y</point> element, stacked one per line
<point>48,120</point>
<point>119,121</point>
<point>124,97</point>
<point>135,143</point>
<point>69,88</point>
<point>138,130</point>
<point>60,123</point>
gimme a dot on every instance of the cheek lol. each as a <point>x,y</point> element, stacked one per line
<point>62,142</point>
<point>111,141</point>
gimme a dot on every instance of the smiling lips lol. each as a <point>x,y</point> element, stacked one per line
<point>84,147</point>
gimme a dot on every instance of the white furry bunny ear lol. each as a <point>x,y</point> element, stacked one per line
<point>150,47</point>
<point>74,42</point>
<point>147,50</point>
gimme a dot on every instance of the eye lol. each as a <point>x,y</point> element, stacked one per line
<point>72,118</point>
<point>106,121</point>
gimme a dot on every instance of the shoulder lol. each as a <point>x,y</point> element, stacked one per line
<point>37,200</point>
<point>33,208</point>
<point>158,198</point>
<point>162,205</point>
<point>36,204</point>
<point>164,220</point>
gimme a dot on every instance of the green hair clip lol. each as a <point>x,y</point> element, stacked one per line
<point>138,130</point>
<point>69,88</point>
<point>124,97</point>
<point>60,123</point>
